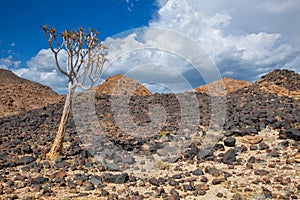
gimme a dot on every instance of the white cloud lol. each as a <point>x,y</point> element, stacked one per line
<point>244,39</point>
<point>42,69</point>
<point>9,62</point>
<point>242,44</point>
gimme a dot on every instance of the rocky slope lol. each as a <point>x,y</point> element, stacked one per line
<point>19,95</point>
<point>116,84</point>
<point>281,82</point>
<point>225,85</point>
<point>256,157</point>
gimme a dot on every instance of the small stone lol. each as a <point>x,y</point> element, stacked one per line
<point>96,180</point>
<point>204,153</point>
<point>249,139</point>
<point>273,153</point>
<point>161,180</point>
<point>173,182</point>
<point>220,195</point>
<point>113,167</point>
<point>82,194</point>
<point>26,149</point>
<point>116,178</point>
<point>261,172</point>
<point>219,147</point>
<point>293,134</point>
<point>20,178</point>
<point>282,135</point>
<point>25,160</point>
<point>194,150</point>
<point>78,182</point>
<point>173,159</point>
<point>154,181</point>
<point>82,177</point>
<point>213,171</point>
<point>263,146</point>
<point>252,159</point>
<point>104,193</point>
<point>283,144</point>
<point>229,157</point>
<point>174,193</point>
<point>187,188</point>
<point>197,172</point>
<point>132,178</point>
<point>253,147</point>
<point>90,187</point>
<point>177,176</point>
<point>39,180</point>
<point>62,164</point>
<point>229,133</point>
<point>129,160</point>
<point>229,142</point>
<point>14,197</point>
<point>217,181</point>
<point>204,179</point>
<point>60,175</point>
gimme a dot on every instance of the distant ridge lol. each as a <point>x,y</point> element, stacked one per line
<point>18,94</point>
<point>226,85</point>
<point>8,77</point>
<point>121,85</point>
<point>281,82</point>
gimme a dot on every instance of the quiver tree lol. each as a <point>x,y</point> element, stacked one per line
<point>86,57</point>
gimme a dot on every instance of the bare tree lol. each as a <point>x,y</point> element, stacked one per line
<point>86,57</point>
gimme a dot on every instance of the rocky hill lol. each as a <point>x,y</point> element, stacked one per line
<point>8,77</point>
<point>217,87</point>
<point>257,155</point>
<point>122,85</point>
<point>281,82</point>
<point>18,94</point>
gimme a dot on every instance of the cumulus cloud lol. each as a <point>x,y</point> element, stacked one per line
<point>9,62</point>
<point>42,69</point>
<point>241,38</point>
<point>245,40</point>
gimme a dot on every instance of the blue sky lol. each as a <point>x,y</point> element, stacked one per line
<point>242,40</point>
<point>20,20</point>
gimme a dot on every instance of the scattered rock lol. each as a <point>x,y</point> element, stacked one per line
<point>263,146</point>
<point>249,139</point>
<point>39,180</point>
<point>261,172</point>
<point>197,172</point>
<point>173,182</point>
<point>116,178</point>
<point>90,187</point>
<point>217,181</point>
<point>229,142</point>
<point>154,181</point>
<point>252,159</point>
<point>202,154</point>
<point>96,180</point>
<point>229,157</point>
<point>25,160</point>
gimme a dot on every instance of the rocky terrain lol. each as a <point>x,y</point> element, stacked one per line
<point>19,95</point>
<point>257,155</point>
<point>119,84</point>
<point>229,85</point>
<point>282,83</point>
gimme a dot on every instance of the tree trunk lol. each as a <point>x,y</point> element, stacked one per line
<point>57,145</point>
